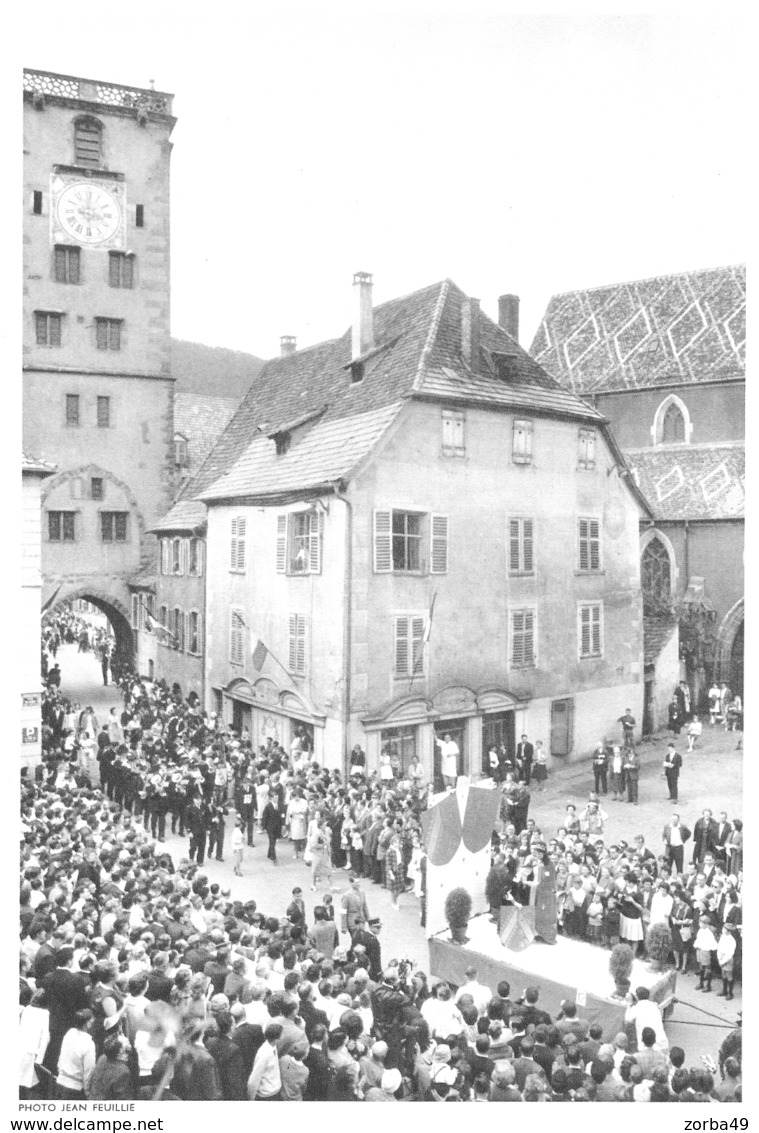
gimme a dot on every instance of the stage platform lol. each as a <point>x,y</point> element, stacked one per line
<point>568,969</point>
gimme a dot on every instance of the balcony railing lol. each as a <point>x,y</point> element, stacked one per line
<point>90,90</point>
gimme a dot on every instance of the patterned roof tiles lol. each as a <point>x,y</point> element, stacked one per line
<point>692,481</point>
<point>201,420</point>
<point>689,327</point>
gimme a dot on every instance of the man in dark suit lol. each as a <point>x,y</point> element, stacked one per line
<point>309,1012</point>
<point>673,761</point>
<point>674,836</point>
<point>367,936</point>
<point>704,836</point>
<point>724,830</point>
<point>530,1012</point>
<point>525,753</point>
<point>66,994</point>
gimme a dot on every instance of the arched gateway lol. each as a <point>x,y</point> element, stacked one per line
<point>117,614</point>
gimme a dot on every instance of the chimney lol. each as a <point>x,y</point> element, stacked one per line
<point>363,330</point>
<point>470,333</point>
<point>287,345</point>
<point>508,315</point>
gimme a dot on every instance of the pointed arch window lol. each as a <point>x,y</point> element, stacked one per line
<point>656,577</point>
<point>673,426</point>
<point>672,423</point>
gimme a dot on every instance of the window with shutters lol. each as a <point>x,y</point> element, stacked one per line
<point>108,333</point>
<point>165,556</point>
<point>521,546</point>
<point>61,526</point>
<point>195,557</point>
<point>297,645</point>
<point>67,262</point>
<point>586,453</point>
<point>409,645</point>
<point>236,637</point>
<point>299,537</point>
<point>135,611</point>
<point>176,628</point>
<point>104,412</point>
<point>237,544</point>
<point>521,442</point>
<point>589,544</point>
<point>113,526</point>
<point>401,538</point>
<point>523,638</point>
<point>176,556</point>
<point>47,328</point>
<point>181,453</point>
<point>454,435</point>
<point>590,629</point>
<point>88,141</point>
<point>121,270</point>
<point>163,616</point>
<point>194,633</point>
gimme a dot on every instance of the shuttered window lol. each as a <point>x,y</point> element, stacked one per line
<point>521,546</point>
<point>454,436</point>
<point>521,444</point>
<point>135,611</point>
<point>88,137</point>
<point>195,548</point>
<point>297,645</point>
<point>299,537</point>
<point>586,456</point>
<point>108,334</point>
<point>589,538</point>
<point>523,625</point>
<point>177,628</point>
<point>177,565</point>
<point>399,539</point>
<point>194,633</point>
<point>409,645</point>
<point>67,264</point>
<point>236,637</point>
<point>439,544</point>
<point>237,545</point>
<point>121,270</point>
<point>590,629</point>
<point>163,616</point>
<point>47,326</point>
<point>165,548</point>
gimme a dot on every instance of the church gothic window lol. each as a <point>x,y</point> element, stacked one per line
<point>656,578</point>
<point>673,427</point>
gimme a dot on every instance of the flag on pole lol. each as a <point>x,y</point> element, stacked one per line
<point>155,626</point>
<point>425,639</point>
<point>51,599</point>
<point>260,653</point>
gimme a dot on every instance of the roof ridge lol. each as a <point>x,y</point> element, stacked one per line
<point>645,279</point>
<point>437,314</point>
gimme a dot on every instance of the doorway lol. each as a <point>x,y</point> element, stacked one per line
<point>562,726</point>
<point>456,729</point>
<point>497,729</point>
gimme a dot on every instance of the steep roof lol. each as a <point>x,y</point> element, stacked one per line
<point>657,632</point>
<point>35,466</point>
<point>692,481</point>
<point>201,420</point>
<point>666,330</point>
<point>417,353</point>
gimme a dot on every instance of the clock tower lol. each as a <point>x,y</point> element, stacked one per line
<point>98,391</point>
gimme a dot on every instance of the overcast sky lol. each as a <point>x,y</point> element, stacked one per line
<point>512,153</point>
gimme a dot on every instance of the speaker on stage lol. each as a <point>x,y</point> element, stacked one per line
<point>516,928</point>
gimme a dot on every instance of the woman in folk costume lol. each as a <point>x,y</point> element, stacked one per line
<point>681,926</point>
<point>540,766</point>
<point>319,846</point>
<point>543,894</point>
<point>631,918</point>
<point>705,945</point>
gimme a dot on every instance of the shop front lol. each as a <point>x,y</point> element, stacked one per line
<point>262,711</point>
<point>472,719</point>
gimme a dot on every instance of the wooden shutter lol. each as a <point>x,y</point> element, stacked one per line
<point>402,650</point>
<point>201,546</point>
<point>235,637</point>
<point>459,441</point>
<point>439,544</point>
<point>514,557</point>
<point>517,637</point>
<point>199,621</point>
<point>417,644</point>
<point>584,554</point>
<point>297,644</point>
<point>585,634</point>
<point>595,547</point>
<point>527,546</point>
<point>281,544</point>
<point>315,543</point>
<point>237,549</point>
<point>596,630</point>
<point>165,556</point>
<point>383,550</point>
<point>448,432</point>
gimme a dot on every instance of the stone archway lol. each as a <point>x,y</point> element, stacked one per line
<point>729,651</point>
<point>117,614</point>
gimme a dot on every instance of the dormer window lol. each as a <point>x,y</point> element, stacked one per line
<point>357,372</point>
<point>181,456</point>
<point>282,443</point>
<point>88,142</point>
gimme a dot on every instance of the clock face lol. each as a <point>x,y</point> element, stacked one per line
<point>88,213</point>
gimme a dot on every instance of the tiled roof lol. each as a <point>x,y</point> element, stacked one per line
<point>670,329</point>
<point>692,481</point>
<point>146,576</point>
<point>201,421</point>
<point>31,463</point>
<point>657,631</point>
<point>420,354</point>
<point>186,515</point>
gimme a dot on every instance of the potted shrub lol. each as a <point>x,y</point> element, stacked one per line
<point>659,946</point>
<point>458,909</point>
<point>620,966</point>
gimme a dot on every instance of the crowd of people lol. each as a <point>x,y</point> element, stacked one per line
<point>140,978</point>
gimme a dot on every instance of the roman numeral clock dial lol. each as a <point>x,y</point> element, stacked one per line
<point>88,213</point>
